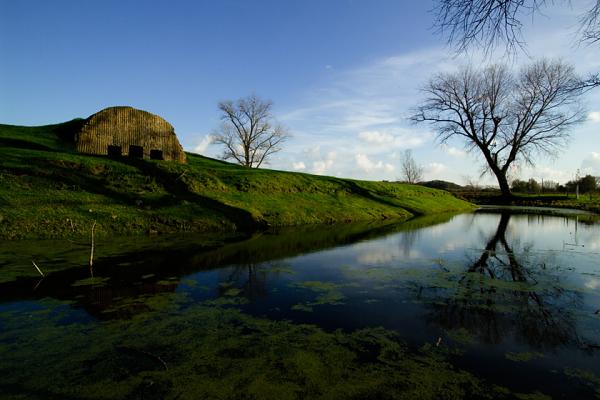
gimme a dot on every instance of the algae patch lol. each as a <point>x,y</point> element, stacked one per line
<point>218,353</point>
<point>524,356</point>
<point>327,293</point>
<point>95,281</point>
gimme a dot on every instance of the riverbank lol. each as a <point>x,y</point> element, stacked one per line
<point>47,190</point>
<point>586,202</point>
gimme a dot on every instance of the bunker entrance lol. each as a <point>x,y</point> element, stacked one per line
<point>136,151</point>
<point>156,155</point>
<point>114,151</point>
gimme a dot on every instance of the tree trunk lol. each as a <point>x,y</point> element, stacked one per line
<point>503,182</point>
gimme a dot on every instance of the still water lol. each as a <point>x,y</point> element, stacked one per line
<point>483,305</point>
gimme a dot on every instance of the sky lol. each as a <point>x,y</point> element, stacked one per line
<point>343,75</point>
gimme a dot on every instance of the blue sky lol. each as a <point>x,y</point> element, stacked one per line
<point>343,75</point>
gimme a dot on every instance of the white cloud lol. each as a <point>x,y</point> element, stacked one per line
<point>201,147</point>
<point>594,117</point>
<point>320,167</point>
<point>376,137</point>
<point>455,152</point>
<point>314,151</point>
<point>435,169</point>
<point>399,138</point>
<point>591,164</point>
<point>553,174</point>
<point>298,166</point>
<point>364,163</point>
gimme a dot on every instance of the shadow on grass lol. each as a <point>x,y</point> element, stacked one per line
<point>78,176</point>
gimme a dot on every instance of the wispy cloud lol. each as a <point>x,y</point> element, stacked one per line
<point>454,151</point>
<point>435,170</point>
<point>203,144</point>
<point>594,117</point>
<point>361,115</point>
<point>367,165</point>
<point>299,166</point>
<point>322,166</point>
<point>396,138</point>
<point>591,164</point>
<point>376,137</point>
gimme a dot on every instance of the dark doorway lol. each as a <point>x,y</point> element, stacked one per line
<point>156,155</point>
<point>136,151</point>
<point>114,151</point>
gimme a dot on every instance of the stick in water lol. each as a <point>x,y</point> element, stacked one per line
<point>38,268</point>
<point>92,251</point>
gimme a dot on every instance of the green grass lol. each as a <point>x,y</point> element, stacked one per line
<point>49,190</point>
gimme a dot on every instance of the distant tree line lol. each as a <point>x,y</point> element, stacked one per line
<point>587,184</point>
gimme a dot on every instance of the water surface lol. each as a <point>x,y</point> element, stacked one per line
<point>492,304</point>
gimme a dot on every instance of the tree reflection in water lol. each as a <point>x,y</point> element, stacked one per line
<point>250,278</point>
<point>508,291</point>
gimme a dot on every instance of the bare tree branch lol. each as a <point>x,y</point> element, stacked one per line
<point>487,24</point>
<point>589,22</point>
<point>506,117</point>
<point>248,132</point>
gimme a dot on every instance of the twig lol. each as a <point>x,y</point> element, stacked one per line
<point>38,268</point>
<point>38,284</point>
<point>92,251</point>
<point>181,176</point>
<point>72,226</point>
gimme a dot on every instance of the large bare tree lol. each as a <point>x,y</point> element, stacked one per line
<point>507,118</point>
<point>411,171</point>
<point>249,132</point>
<point>485,24</point>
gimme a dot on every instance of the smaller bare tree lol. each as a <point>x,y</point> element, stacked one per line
<point>249,131</point>
<point>411,171</point>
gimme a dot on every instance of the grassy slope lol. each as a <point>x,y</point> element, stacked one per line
<point>48,190</point>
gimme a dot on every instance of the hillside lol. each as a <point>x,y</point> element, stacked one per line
<point>48,190</point>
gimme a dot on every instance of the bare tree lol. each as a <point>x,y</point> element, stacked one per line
<point>411,171</point>
<point>488,23</point>
<point>249,131</point>
<point>508,118</point>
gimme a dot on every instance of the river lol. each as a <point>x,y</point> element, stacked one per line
<point>491,304</point>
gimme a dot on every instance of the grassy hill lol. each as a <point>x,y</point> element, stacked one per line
<point>49,190</point>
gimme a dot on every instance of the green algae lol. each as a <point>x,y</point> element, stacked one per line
<point>524,356</point>
<point>460,336</point>
<point>328,293</point>
<point>302,307</point>
<point>532,396</point>
<point>226,301</point>
<point>586,377</point>
<point>219,353</point>
<point>232,292</point>
<point>93,281</point>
